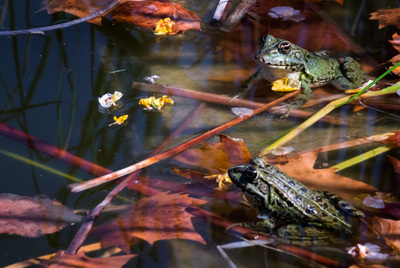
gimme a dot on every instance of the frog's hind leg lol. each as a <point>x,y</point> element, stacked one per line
<point>305,234</point>
<point>343,205</point>
<point>351,76</point>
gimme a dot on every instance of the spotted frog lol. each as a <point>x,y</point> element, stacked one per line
<point>280,59</point>
<point>307,214</point>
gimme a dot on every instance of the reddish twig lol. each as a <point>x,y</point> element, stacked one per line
<point>51,150</point>
<point>77,187</point>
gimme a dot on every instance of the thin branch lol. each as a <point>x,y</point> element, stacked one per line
<point>41,30</point>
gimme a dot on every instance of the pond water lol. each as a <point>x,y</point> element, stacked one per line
<point>50,86</point>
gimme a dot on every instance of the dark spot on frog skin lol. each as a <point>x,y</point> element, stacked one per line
<point>326,205</point>
<point>310,210</point>
<point>292,183</point>
<point>318,198</point>
<point>304,189</point>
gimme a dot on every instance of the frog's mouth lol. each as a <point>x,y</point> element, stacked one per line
<point>275,65</point>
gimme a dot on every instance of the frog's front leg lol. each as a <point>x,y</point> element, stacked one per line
<point>248,84</point>
<point>302,99</point>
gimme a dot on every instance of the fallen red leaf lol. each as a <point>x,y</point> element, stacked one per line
<point>154,218</point>
<point>217,156</point>
<point>33,216</point>
<point>301,167</point>
<point>81,260</point>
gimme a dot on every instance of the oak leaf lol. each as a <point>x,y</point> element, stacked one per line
<point>154,218</point>
<point>33,216</point>
<point>301,167</point>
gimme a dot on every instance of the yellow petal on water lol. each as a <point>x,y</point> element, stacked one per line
<point>117,95</point>
<point>285,84</point>
<point>164,27</point>
<point>153,103</point>
<point>119,120</point>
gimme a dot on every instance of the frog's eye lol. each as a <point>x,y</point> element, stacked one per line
<point>250,174</point>
<point>285,47</point>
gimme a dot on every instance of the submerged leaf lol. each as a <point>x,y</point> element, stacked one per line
<point>217,157</point>
<point>154,218</point>
<point>301,167</point>
<point>33,216</point>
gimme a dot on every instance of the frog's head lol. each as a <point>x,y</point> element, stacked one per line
<point>280,54</point>
<point>251,177</point>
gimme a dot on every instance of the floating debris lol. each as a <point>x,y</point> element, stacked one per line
<point>151,79</point>
<point>152,103</point>
<point>108,99</point>
<point>285,13</point>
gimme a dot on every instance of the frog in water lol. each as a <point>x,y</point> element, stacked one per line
<point>309,215</point>
<point>280,59</point>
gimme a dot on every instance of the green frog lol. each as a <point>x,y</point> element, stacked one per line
<point>307,215</point>
<point>280,59</point>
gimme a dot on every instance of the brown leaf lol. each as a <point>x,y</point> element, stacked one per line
<point>301,167</point>
<point>146,14</point>
<point>387,17</point>
<point>152,218</point>
<point>33,216</point>
<point>217,156</point>
<point>81,260</point>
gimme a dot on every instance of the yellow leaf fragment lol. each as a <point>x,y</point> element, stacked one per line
<point>286,85</point>
<point>119,120</point>
<point>153,103</point>
<point>164,26</point>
